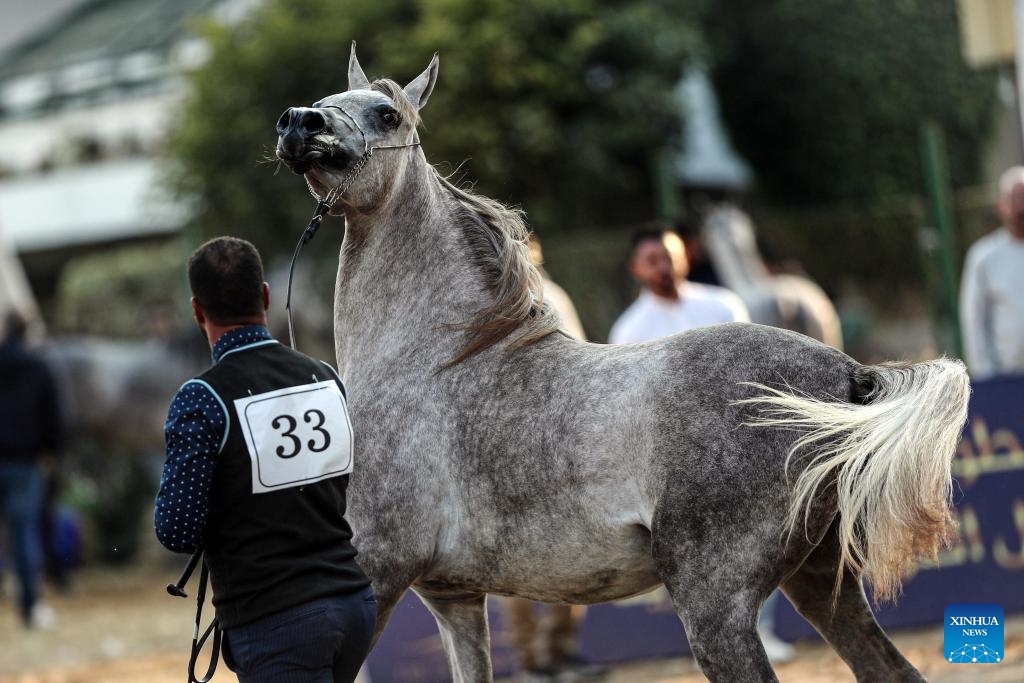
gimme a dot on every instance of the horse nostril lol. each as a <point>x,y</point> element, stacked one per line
<point>312,122</point>
<point>284,122</point>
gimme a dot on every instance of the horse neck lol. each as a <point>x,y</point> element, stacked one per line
<point>405,277</point>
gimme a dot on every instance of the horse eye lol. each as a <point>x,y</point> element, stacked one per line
<point>391,118</point>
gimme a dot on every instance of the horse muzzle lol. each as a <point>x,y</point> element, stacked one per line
<point>296,129</point>
<point>301,155</point>
<point>298,157</point>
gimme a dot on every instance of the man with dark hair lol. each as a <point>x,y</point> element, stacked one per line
<point>29,436</point>
<point>701,269</point>
<point>226,277</point>
<point>668,302</point>
<point>259,448</point>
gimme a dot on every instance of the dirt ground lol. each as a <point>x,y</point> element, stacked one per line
<point>119,627</point>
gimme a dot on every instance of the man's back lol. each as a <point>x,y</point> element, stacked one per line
<point>29,414</point>
<point>259,448</point>
<point>262,531</point>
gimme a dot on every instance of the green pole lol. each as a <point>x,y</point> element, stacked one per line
<point>666,184</point>
<point>936,171</point>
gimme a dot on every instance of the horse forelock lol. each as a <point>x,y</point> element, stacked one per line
<point>406,109</point>
<point>497,240</point>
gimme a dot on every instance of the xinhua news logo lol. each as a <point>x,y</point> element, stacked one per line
<point>974,633</point>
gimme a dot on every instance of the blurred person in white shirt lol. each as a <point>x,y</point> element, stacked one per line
<point>992,290</point>
<point>668,302</point>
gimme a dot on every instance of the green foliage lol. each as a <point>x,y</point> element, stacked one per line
<point>558,105</point>
<point>111,293</point>
<point>112,489</point>
<point>826,98</point>
<point>115,518</point>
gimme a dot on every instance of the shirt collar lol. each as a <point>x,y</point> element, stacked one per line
<point>239,338</point>
<point>653,298</point>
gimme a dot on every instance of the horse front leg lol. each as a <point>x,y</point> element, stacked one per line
<point>388,592</point>
<point>392,565</point>
<point>462,621</point>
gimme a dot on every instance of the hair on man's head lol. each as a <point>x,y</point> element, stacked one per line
<point>15,326</point>
<point>652,231</point>
<point>226,277</point>
<point>687,228</point>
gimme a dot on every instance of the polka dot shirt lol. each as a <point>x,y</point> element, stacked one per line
<point>195,431</point>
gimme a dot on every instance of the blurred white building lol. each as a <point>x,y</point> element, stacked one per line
<point>86,99</point>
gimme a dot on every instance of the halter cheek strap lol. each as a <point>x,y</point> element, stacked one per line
<point>335,193</point>
<point>366,148</point>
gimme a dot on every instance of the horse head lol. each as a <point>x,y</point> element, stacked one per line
<point>330,142</point>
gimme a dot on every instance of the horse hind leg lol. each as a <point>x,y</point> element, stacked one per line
<point>721,627</point>
<point>850,628</point>
<point>717,589</point>
<point>462,621</point>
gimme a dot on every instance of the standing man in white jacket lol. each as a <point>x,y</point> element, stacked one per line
<point>992,290</point>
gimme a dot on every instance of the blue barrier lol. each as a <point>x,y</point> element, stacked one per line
<point>985,564</point>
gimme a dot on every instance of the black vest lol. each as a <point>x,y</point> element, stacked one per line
<point>274,550</point>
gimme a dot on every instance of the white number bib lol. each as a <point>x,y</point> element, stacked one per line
<point>296,436</point>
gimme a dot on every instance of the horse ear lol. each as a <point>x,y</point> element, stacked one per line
<point>356,78</point>
<point>418,91</point>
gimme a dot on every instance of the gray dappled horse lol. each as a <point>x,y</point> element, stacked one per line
<point>498,455</point>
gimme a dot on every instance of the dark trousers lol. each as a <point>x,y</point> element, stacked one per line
<point>21,491</point>
<point>322,641</point>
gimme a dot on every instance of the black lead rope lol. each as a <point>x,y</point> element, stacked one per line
<point>199,641</point>
<point>325,203</point>
<point>177,589</point>
<point>307,234</point>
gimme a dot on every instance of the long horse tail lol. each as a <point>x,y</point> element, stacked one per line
<point>888,453</point>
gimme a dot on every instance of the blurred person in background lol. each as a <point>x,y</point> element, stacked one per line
<point>669,303</point>
<point>992,289</point>
<point>29,438</point>
<point>555,295</point>
<point>547,645</point>
<point>698,261</point>
<point>258,457</point>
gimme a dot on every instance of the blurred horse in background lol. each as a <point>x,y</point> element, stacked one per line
<point>117,392</point>
<point>792,302</point>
